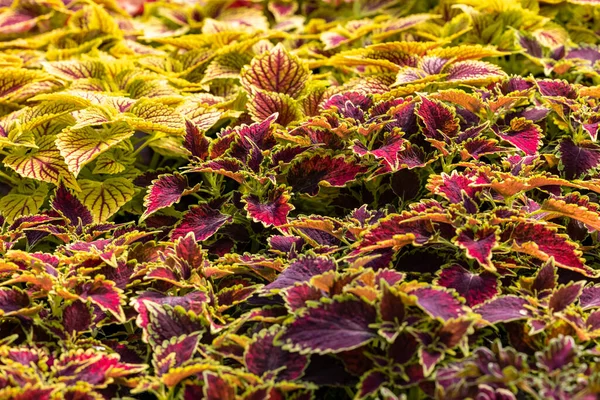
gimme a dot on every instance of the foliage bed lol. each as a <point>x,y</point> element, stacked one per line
<point>299,200</point>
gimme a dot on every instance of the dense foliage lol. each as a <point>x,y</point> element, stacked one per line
<point>299,200</point>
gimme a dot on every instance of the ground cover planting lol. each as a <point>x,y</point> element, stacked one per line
<point>267,200</point>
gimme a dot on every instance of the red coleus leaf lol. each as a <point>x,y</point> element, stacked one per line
<point>543,242</point>
<point>273,210</point>
<point>195,141</point>
<point>164,192</point>
<point>475,288</point>
<point>70,206</point>
<point>523,134</point>
<point>439,121</point>
<point>389,151</point>
<point>331,327</point>
<point>264,359</point>
<point>203,220</point>
<point>104,294</point>
<point>173,353</point>
<point>217,388</point>
<point>306,175</point>
<point>478,243</point>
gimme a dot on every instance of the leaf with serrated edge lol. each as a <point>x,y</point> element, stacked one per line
<point>79,147</point>
<point>105,198</point>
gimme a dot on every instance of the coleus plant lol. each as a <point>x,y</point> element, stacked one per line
<point>299,200</point>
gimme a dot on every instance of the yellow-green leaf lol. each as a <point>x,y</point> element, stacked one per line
<point>105,198</point>
<point>44,163</point>
<point>25,199</point>
<point>79,147</point>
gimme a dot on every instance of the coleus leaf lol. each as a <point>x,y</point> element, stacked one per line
<point>302,270</point>
<point>44,163</point>
<point>276,71</point>
<point>79,147</point>
<point>271,211</point>
<point>438,303</point>
<point>203,220</point>
<point>475,288</point>
<point>564,296</point>
<point>264,359</point>
<point>559,354</point>
<point>543,242</point>
<point>478,243</point>
<point>165,191</point>
<point>523,134</point>
<point>150,116</point>
<point>578,159</point>
<point>504,309</point>
<point>438,119</point>
<point>473,72</point>
<point>306,175</point>
<point>25,199</point>
<point>175,352</point>
<point>70,206</point>
<point>217,388</point>
<point>105,198</point>
<point>264,104</point>
<point>104,294</point>
<point>332,327</point>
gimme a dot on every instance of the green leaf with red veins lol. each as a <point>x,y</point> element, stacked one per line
<point>276,71</point>
<point>263,104</point>
<point>104,198</point>
<point>43,164</point>
<point>25,199</point>
<point>79,147</point>
<point>151,116</point>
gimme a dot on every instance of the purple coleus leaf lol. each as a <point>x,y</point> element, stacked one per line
<point>438,119</point>
<point>12,300</point>
<point>305,175</point>
<point>561,352</point>
<point>590,297</point>
<point>164,192</point>
<point>203,220</point>
<point>264,359</point>
<point>475,288</point>
<point>331,327</point>
<point>273,210</point>
<point>70,206</point>
<point>504,309</point>
<point>523,134</point>
<point>302,270</point>
<point>564,296</point>
<point>578,159</point>
<point>77,317</point>
<point>438,303</point>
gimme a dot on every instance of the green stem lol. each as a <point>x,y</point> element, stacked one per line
<point>9,178</point>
